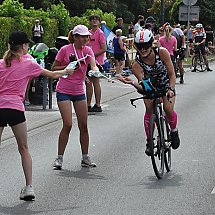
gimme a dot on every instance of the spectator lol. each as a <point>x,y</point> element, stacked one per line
<point>71,89</point>
<point>37,31</point>
<point>119,52</point>
<point>15,73</point>
<point>98,44</point>
<point>209,35</point>
<point>139,24</point>
<point>119,24</point>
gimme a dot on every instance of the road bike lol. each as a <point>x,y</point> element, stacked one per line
<point>198,61</point>
<point>159,136</point>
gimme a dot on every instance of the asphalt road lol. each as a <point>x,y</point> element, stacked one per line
<point>124,181</point>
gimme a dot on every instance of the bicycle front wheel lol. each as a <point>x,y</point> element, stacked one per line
<point>156,142</point>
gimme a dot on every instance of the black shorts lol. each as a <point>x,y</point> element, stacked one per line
<point>11,117</point>
<point>119,57</point>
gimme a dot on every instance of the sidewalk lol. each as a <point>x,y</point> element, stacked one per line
<point>37,117</point>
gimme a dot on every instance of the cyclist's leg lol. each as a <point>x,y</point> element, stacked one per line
<point>172,119</point>
<point>181,67</point>
<point>204,55</point>
<point>149,110</point>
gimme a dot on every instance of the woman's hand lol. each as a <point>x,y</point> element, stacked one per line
<point>69,71</point>
<point>170,93</point>
<point>125,80</point>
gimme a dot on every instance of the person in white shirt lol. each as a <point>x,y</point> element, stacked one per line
<point>37,31</point>
<point>138,26</point>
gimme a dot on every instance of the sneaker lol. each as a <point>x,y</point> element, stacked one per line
<point>148,150</point>
<point>27,193</point>
<point>181,80</point>
<point>89,108</point>
<point>175,139</point>
<point>86,162</point>
<point>58,163</point>
<point>194,70</point>
<point>95,108</point>
<point>209,69</point>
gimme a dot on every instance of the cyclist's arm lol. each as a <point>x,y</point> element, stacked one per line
<point>165,57</point>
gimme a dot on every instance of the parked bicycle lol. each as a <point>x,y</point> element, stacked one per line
<point>159,136</point>
<point>198,60</point>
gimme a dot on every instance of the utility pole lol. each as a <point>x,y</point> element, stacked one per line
<point>162,12</point>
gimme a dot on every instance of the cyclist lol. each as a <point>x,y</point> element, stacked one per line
<point>180,37</point>
<point>199,40</point>
<point>156,64</point>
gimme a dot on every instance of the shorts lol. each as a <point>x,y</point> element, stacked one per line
<point>11,117</point>
<point>119,57</point>
<point>181,54</point>
<point>67,97</point>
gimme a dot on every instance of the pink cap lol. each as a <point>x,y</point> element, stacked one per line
<point>81,30</point>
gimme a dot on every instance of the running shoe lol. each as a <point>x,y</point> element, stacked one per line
<point>95,108</point>
<point>58,163</point>
<point>86,162</point>
<point>27,193</point>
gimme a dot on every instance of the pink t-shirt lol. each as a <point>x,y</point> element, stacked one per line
<point>73,84</point>
<point>96,39</point>
<point>169,45</point>
<point>14,80</point>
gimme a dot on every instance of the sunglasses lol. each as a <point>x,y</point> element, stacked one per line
<point>144,46</point>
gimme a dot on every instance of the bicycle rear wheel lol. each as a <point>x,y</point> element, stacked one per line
<point>167,146</point>
<point>156,142</point>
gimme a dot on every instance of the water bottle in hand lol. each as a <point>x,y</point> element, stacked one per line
<point>72,65</point>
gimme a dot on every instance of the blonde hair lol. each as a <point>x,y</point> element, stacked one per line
<point>168,31</point>
<point>11,53</point>
<point>118,32</point>
<point>71,37</point>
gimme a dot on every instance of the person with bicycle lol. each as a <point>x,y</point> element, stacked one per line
<point>180,54</point>
<point>199,42</point>
<point>156,64</point>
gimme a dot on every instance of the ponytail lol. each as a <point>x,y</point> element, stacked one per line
<point>10,54</point>
<point>71,37</point>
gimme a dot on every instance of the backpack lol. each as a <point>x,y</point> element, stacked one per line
<point>178,38</point>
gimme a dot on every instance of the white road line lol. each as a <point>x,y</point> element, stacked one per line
<point>213,191</point>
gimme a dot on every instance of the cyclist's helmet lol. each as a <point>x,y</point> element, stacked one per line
<point>143,39</point>
<point>199,25</point>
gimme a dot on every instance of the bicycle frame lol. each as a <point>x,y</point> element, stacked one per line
<point>160,150</point>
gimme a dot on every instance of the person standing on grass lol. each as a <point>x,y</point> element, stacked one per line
<point>15,73</point>
<point>98,44</point>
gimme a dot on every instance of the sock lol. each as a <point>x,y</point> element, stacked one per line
<point>147,123</point>
<point>85,156</point>
<point>172,120</point>
<point>60,157</point>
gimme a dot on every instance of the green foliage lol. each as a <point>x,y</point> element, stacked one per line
<point>109,18</point>
<point>11,8</point>
<point>59,13</point>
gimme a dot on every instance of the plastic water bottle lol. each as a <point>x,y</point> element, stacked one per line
<point>42,63</point>
<point>71,65</point>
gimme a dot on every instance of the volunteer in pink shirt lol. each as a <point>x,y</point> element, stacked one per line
<point>168,41</point>
<point>72,89</point>
<point>15,72</point>
<point>98,44</point>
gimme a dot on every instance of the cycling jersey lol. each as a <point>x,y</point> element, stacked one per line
<point>199,36</point>
<point>157,72</point>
